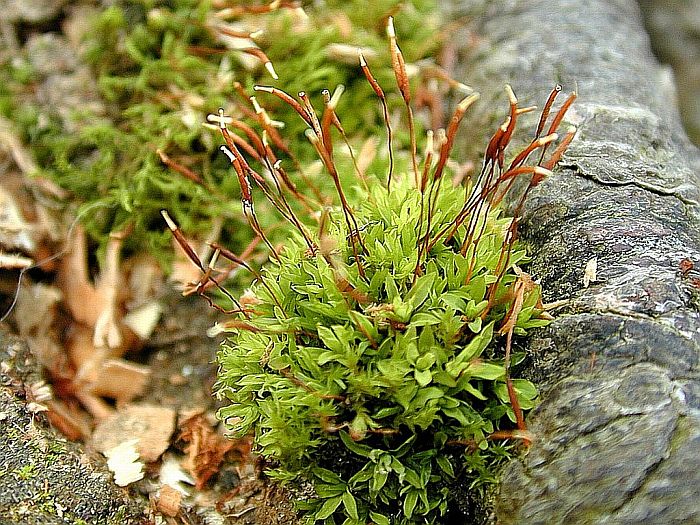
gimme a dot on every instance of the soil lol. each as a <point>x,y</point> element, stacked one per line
<point>45,479</point>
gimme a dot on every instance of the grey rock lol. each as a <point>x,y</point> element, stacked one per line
<point>45,480</point>
<point>619,369</point>
<point>674,28</point>
<point>32,11</point>
<point>66,88</point>
<point>50,54</point>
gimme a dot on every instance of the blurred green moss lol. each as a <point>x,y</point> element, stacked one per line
<point>161,68</point>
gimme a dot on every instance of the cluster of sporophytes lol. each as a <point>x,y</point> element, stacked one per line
<point>159,66</point>
<point>372,356</point>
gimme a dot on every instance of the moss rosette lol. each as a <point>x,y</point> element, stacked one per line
<point>381,390</point>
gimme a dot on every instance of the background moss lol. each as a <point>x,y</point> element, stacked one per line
<point>160,69</point>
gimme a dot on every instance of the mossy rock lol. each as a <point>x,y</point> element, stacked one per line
<point>45,480</point>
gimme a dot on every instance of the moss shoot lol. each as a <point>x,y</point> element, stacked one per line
<point>373,355</point>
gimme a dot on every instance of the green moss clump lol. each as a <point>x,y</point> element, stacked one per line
<point>366,358</point>
<point>160,68</point>
<point>395,384</point>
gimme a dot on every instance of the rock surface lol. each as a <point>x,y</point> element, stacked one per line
<point>674,28</point>
<point>45,480</point>
<point>31,11</point>
<point>617,431</point>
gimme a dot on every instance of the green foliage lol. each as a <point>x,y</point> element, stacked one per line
<point>26,472</point>
<point>382,397</point>
<point>161,67</point>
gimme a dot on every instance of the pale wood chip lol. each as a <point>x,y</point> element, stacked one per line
<point>144,319</point>
<point>119,379</point>
<point>169,500</point>
<point>151,425</point>
<point>172,474</point>
<point>590,272</point>
<point>9,261</point>
<point>15,232</point>
<point>35,310</point>
<point>123,461</point>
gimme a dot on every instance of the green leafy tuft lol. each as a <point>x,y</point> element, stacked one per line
<point>395,384</point>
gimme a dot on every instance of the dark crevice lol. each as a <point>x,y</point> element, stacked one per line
<point>655,190</point>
